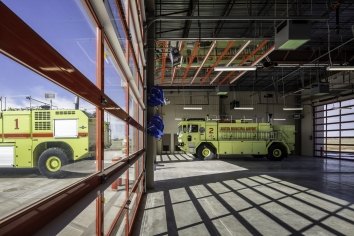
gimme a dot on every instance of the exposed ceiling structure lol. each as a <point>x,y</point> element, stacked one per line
<point>212,33</point>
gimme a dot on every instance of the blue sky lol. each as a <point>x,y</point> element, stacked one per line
<point>66,26</point>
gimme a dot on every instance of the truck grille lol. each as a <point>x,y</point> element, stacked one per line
<point>42,115</point>
<point>42,125</point>
<point>65,113</point>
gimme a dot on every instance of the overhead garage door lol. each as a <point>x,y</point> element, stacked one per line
<point>334,130</point>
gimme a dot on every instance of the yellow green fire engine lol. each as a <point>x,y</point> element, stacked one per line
<point>207,139</point>
<point>46,139</point>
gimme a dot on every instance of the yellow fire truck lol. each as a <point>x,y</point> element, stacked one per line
<point>46,139</point>
<point>207,139</point>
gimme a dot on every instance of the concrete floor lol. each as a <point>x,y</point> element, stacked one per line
<point>247,196</point>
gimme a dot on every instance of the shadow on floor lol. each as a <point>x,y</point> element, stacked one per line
<point>298,196</point>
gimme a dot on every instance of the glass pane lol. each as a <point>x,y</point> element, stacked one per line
<point>133,172</point>
<point>32,151</point>
<point>320,127</point>
<point>115,134</point>
<point>347,155</point>
<point>66,26</point>
<point>114,82</point>
<point>133,140</point>
<point>347,141</point>
<point>347,133</point>
<point>347,148</point>
<point>347,118</point>
<point>320,121</point>
<point>349,125</point>
<point>333,134</point>
<point>115,197</point>
<point>332,148</point>
<point>118,23</point>
<point>83,224</point>
<point>333,112</point>
<point>320,114</point>
<point>332,140</point>
<point>333,119</point>
<point>332,126</point>
<point>133,105</point>
<point>347,110</point>
<point>320,134</point>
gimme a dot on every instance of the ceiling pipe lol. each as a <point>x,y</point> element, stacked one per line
<point>191,58</point>
<point>226,50</point>
<point>138,32</point>
<point>232,59</point>
<point>313,61</point>
<point>180,46</point>
<point>259,47</point>
<point>101,11</point>
<point>205,58</point>
<point>255,63</point>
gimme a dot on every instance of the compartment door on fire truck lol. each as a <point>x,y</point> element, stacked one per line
<point>17,130</point>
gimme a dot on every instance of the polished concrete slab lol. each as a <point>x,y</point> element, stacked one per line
<point>246,196</point>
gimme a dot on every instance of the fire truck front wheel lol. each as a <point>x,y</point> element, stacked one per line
<point>205,152</point>
<point>51,161</point>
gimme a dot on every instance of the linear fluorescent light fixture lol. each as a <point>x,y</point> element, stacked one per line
<point>248,119</point>
<point>235,68</point>
<point>193,108</point>
<point>243,108</point>
<point>280,119</point>
<point>292,108</point>
<point>340,68</point>
<point>178,118</point>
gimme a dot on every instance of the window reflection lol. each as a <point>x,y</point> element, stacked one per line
<point>66,26</point>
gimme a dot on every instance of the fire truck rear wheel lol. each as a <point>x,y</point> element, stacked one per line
<point>51,161</point>
<point>205,152</point>
<point>276,152</point>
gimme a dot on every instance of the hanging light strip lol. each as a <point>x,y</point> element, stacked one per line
<point>340,68</point>
<point>279,119</point>
<point>292,108</point>
<point>193,108</point>
<point>243,108</point>
<point>235,68</point>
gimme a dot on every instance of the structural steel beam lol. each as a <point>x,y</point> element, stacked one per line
<point>260,58</point>
<point>227,48</point>
<point>205,58</point>
<point>180,47</point>
<point>191,58</point>
<point>232,59</point>
<point>260,46</point>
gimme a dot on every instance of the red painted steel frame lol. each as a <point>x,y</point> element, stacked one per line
<point>260,46</point>
<point>191,58</point>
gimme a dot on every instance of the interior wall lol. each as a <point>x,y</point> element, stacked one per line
<point>210,104</point>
